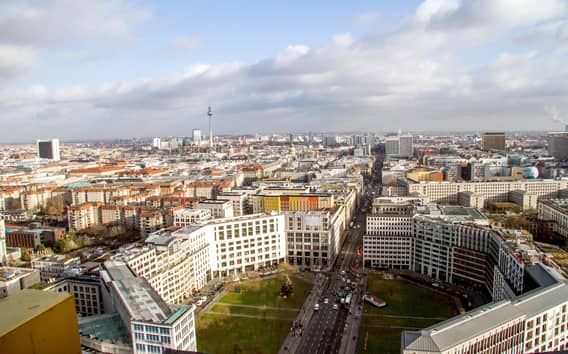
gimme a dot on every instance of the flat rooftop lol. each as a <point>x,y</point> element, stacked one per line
<point>141,300</point>
<point>23,306</point>
<point>459,329</point>
<point>107,328</point>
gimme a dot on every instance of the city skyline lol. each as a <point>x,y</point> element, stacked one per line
<point>122,68</point>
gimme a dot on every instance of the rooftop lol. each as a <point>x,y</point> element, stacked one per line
<point>20,307</point>
<point>140,299</point>
<point>459,329</point>
<point>11,273</point>
<point>108,328</point>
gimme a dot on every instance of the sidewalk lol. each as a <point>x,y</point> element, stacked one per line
<point>291,344</point>
<point>351,334</point>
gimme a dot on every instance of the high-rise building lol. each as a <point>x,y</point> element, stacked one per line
<point>156,142</point>
<point>48,149</point>
<point>399,146</point>
<point>558,145</point>
<point>493,141</point>
<point>405,146</point>
<point>35,321</point>
<point>196,134</point>
<point>391,146</point>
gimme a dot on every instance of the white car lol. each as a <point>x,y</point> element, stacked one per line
<point>335,307</point>
<point>326,301</point>
<point>316,307</point>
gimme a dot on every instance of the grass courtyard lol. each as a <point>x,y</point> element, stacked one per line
<point>251,317</point>
<point>409,306</point>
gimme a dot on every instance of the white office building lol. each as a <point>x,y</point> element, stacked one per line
<point>245,243</point>
<point>153,325</point>
<point>196,136</point>
<point>175,264</point>
<point>240,201</point>
<point>555,210</point>
<point>220,208</point>
<point>448,192</point>
<point>449,243</point>
<point>186,217</point>
<point>314,237</point>
<point>531,323</point>
<point>406,146</point>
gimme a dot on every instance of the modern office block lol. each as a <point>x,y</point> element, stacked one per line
<point>48,149</point>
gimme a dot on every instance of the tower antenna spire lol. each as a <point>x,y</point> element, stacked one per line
<point>210,115</point>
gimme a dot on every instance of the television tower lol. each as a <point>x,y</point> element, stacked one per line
<point>210,114</point>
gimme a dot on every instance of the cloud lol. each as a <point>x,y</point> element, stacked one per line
<point>366,18</point>
<point>31,27</point>
<point>411,77</point>
<point>15,60</point>
<point>185,42</point>
<point>487,14</point>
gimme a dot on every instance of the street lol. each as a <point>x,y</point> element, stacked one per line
<point>333,327</point>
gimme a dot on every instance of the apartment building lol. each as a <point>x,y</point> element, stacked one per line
<point>151,221</point>
<point>555,210</point>
<point>83,216</point>
<point>531,323</point>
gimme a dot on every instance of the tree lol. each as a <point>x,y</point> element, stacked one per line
<point>26,256</point>
<point>12,204</point>
<point>55,206</point>
<point>287,288</point>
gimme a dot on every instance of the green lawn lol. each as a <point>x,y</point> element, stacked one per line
<point>403,298</point>
<point>266,293</point>
<point>220,334</point>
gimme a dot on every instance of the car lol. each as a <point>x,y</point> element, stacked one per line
<point>326,301</point>
<point>316,307</point>
<point>199,302</point>
<point>335,307</point>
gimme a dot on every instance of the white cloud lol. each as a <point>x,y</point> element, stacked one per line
<point>15,60</point>
<point>410,78</point>
<point>30,27</point>
<point>366,17</point>
<point>488,14</point>
<point>185,42</point>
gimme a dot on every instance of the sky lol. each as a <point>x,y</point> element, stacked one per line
<point>120,68</point>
